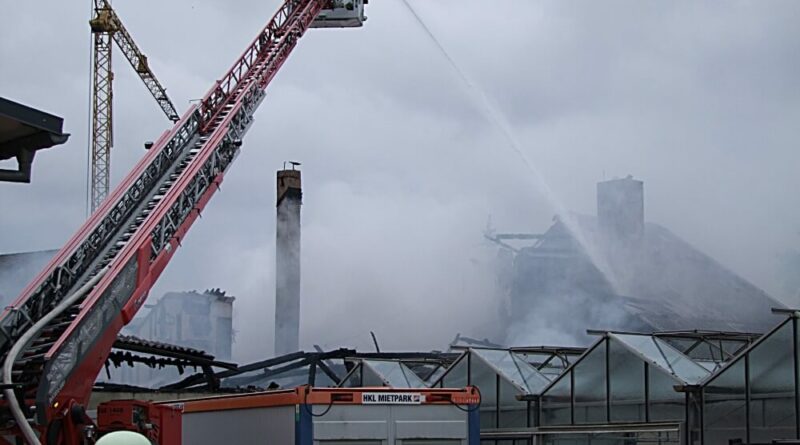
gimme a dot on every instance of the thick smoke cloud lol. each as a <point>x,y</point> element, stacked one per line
<point>401,171</point>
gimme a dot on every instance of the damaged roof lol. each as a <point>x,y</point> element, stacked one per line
<point>662,282</point>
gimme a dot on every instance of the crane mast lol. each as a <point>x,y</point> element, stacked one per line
<point>102,129</point>
<point>123,247</point>
<point>107,26</point>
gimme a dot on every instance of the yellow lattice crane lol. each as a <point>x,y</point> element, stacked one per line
<point>107,26</point>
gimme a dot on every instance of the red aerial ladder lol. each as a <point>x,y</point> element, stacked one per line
<point>56,336</point>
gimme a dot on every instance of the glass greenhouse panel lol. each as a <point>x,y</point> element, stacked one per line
<point>436,374</point>
<point>590,386</point>
<point>456,376</point>
<point>515,369</point>
<point>694,409</point>
<point>485,378</point>
<point>369,377</point>
<point>665,402</point>
<point>772,394</point>
<point>353,379</point>
<point>681,344</point>
<point>557,403</point>
<point>699,349</point>
<point>710,365</point>
<point>537,359</point>
<point>724,406</point>
<point>733,347</point>
<point>666,356</point>
<point>396,374</point>
<point>322,379</point>
<point>548,364</point>
<point>513,412</point>
<point>626,384</point>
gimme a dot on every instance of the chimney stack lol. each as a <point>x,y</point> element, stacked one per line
<point>287,261</point>
<point>620,209</point>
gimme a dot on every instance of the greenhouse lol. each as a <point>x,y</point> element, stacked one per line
<point>505,377</point>
<point>754,398</point>
<point>693,387</point>
<point>624,379</point>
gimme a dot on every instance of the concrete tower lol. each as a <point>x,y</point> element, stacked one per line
<point>287,262</point>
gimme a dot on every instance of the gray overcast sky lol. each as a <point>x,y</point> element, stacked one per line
<point>401,167</point>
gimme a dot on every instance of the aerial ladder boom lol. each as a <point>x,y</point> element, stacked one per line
<point>127,243</point>
<point>107,26</point>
